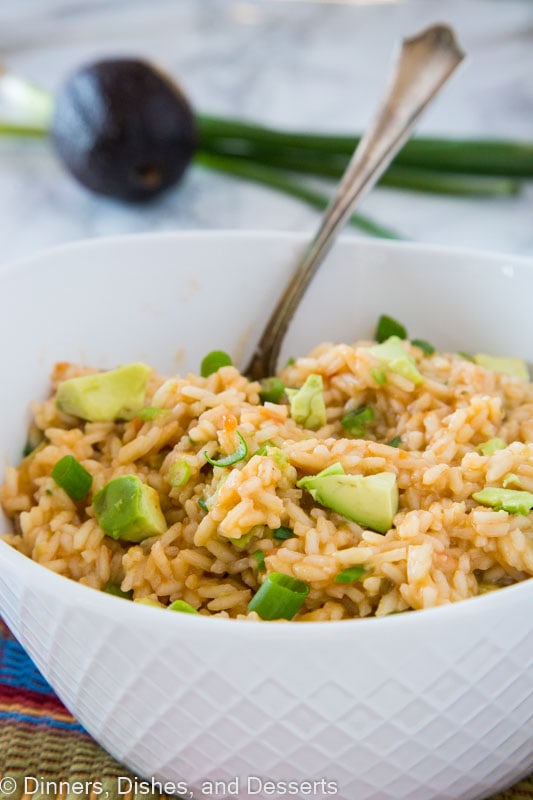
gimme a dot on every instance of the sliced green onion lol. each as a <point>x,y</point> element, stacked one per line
<point>351,574</point>
<point>179,474</point>
<point>114,589</point>
<point>283,533</point>
<point>355,421</point>
<point>259,556</point>
<point>263,450</point>
<point>233,458</point>
<point>379,375</point>
<point>387,327</point>
<point>202,504</point>
<point>181,605</point>
<point>149,413</point>
<point>213,361</point>
<point>72,477</point>
<point>290,361</point>
<point>246,538</point>
<point>426,347</point>
<point>466,356</point>
<point>272,390</point>
<point>280,597</point>
<point>395,441</point>
<point>35,438</point>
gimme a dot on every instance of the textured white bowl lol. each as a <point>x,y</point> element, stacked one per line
<point>435,704</point>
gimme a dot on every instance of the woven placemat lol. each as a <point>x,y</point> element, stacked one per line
<point>41,742</point>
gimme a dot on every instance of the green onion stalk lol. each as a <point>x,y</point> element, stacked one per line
<point>278,159</point>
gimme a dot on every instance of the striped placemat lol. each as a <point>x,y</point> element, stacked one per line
<point>42,745</point>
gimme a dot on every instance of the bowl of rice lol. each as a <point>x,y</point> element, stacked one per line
<point>312,585</point>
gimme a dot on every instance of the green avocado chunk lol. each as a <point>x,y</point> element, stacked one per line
<point>129,510</point>
<point>394,357</point>
<point>105,396</point>
<point>514,502</point>
<point>307,403</point>
<point>371,501</point>
<point>491,446</point>
<point>516,367</point>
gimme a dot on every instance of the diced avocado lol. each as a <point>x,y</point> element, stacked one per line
<point>394,356</point>
<point>105,396</point>
<point>516,367</point>
<point>490,447</point>
<point>148,601</point>
<point>509,500</point>
<point>182,606</point>
<point>307,403</point>
<point>511,481</point>
<point>371,501</point>
<point>129,510</point>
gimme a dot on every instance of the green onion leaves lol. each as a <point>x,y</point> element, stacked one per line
<point>213,361</point>
<point>351,574</point>
<point>282,534</point>
<point>233,458</point>
<point>387,327</point>
<point>426,347</point>
<point>355,421</point>
<point>72,477</point>
<point>272,390</point>
<point>179,474</point>
<point>280,597</point>
<point>259,556</point>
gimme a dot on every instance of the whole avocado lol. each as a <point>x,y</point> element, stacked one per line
<point>124,129</point>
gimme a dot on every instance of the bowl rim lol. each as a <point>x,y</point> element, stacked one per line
<point>82,596</point>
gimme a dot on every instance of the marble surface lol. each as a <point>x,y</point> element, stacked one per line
<point>292,64</point>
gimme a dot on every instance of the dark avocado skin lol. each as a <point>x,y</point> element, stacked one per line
<point>123,129</point>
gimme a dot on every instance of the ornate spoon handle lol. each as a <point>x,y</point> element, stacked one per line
<point>425,63</point>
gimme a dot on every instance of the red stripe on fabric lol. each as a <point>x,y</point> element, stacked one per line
<point>29,699</point>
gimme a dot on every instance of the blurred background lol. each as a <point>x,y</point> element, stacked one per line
<point>286,63</point>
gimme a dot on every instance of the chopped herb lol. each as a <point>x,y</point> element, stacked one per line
<point>282,533</point>
<point>213,361</point>
<point>280,597</point>
<point>379,375</point>
<point>179,474</point>
<point>183,607</point>
<point>48,491</point>
<point>290,361</point>
<point>466,356</point>
<point>355,421</point>
<point>426,347</point>
<point>233,458</point>
<point>259,556</point>
<point>395,441</point>
<point>150,412</point>
<point>202,504</point>
<point>505,499</point>
<point>114,588</point>
<point>246,538</point>
<point>72,477</point>
<point>351,574</point>
<point>272,390</point>
<point>387,327</point>
<point>490,447</point>
<point>263,450</point>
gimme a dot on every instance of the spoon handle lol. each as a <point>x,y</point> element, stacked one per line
<point>425,63</point>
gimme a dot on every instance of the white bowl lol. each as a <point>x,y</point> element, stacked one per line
<point>434,704</point>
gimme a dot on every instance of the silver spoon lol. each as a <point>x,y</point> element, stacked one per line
<point>425,63</point>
